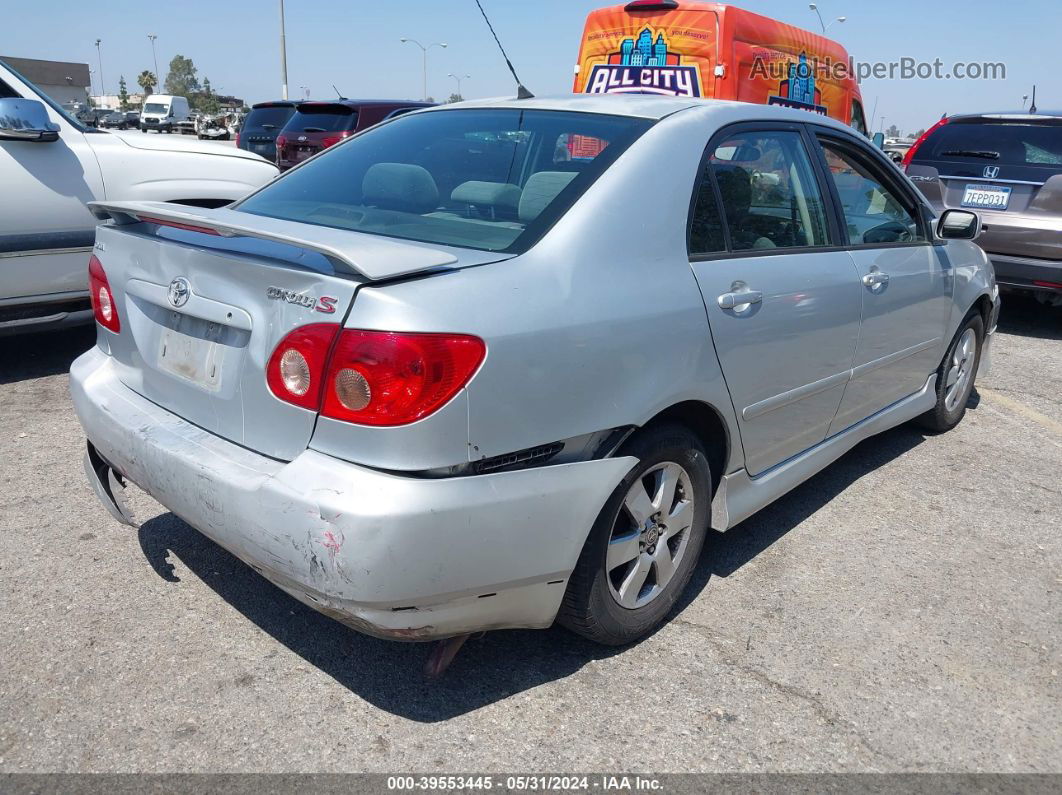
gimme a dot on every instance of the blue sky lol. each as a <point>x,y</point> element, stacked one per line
<point>355,44</point>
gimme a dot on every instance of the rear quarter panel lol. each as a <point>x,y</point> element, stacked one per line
<point>599,325</point>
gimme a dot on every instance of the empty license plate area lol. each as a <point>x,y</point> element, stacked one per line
<point>190,348</point>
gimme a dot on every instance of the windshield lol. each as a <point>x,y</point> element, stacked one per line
<point>268,118</point>
<point>492,179</point>
<point>996,143</point>
<point>323,118</point>
<point>156,107</point>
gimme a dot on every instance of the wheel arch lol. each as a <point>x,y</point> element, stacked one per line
<point>709,426</point>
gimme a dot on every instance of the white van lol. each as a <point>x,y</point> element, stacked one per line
<point>162,111</point>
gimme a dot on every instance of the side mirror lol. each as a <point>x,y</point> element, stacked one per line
<point>879,140</point>
<point>26,120</point>
<point>959,225</point>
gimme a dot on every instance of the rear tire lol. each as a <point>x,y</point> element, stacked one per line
<point>956,376</point>
<point>645,543</point>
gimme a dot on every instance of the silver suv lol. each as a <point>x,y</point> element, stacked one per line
<point>503,363</point>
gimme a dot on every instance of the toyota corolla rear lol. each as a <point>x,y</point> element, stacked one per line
<point>276,374</point>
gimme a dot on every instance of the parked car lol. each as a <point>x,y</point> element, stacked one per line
<point>317,125</point>
<point>1008,166</point>
<point>262,126</point>
<point>490,365</point>
<point>162,113</point>
<point>51,165</point>
<point>117,120</point>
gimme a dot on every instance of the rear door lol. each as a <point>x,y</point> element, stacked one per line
<point>1008,169</point>
<point>783,303</point>
<point>905,281</point>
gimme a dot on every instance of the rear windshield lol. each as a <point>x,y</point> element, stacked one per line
<point>326,118</point>
<point>491,179</point>
<point>268,118</point>
<point>999,143</point>
<point>156,107</point>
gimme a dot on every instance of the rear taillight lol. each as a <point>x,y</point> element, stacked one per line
<point>393,378</point>
<point>103,305</point>
<point>296,370</point>
<point>379,378</point>
<point>329,140</point>
<point>237,140</point>
<point>921,140</point>
<point>281,142</point>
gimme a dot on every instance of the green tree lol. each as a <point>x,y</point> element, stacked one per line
<point>123,94</point>
<point>456,98</point>
<point>920,133</point>
<point>893,131</point>
<point>181,80</point>
<point>147,81</point>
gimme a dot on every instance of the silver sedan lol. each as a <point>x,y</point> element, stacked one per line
<point>504,363</point>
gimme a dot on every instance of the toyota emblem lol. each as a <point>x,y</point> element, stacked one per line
<point>179,291</point>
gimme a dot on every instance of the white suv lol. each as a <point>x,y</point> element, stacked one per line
<point>51,165</point>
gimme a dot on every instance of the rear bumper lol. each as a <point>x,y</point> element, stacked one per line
<point>396,557</point>
<point>1025,272</point>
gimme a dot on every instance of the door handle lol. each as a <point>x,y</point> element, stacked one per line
<point>874,278</point>
<point>739,298</point>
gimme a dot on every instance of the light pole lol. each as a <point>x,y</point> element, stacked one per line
<point>824,26</point>
<point>459,78</point>
<point>305,91</point>
<point>151,38</point>
<point>99,55</point>
<point>1024,99</point>
<point>424,51</point>
<point>283,56</point>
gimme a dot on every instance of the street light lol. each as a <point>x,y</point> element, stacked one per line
<point>825,27</point>
<point>1024,99</point>
<point>152,37</point>
<point>424,50</point>
<point>283,56</point>
<point>99,55</point>
<point>459,78</point>
<point>305,91</point>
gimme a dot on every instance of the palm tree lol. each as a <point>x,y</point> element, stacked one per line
<point>147,81</point>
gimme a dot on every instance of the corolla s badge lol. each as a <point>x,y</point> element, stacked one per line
<point>991,172</point>
<point>325,304</point>
<point>179,291</point>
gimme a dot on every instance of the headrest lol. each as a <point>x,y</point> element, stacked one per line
<point>540,190</point>
<point>736,186</point>
<point>500,195</point>
<point>400,186</point>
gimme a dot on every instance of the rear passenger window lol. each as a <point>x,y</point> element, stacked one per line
<point>873,214</point>
<point>770,196</point>
<point>706,224</point>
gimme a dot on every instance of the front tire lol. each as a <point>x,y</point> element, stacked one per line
<point>644,545</point>
<point>956,376</point>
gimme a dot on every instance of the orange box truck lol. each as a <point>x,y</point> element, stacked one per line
<point>716,51</point>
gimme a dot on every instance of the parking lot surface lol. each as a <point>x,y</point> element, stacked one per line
<point>901,611</point>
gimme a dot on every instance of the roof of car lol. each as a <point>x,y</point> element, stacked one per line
<point>360,103</point>
<point>1008,115</point>
<point>647,106</point>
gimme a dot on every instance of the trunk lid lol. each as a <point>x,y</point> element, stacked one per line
<point>201,313</point>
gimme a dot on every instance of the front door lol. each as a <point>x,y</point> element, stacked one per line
<point>906,284</point>
<point>46,231</point>
<point>783,309</point>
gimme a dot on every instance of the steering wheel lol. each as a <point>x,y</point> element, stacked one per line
<point>888,232</point>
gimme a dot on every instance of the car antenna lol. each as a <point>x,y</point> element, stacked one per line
<point>337,91</point>
<point>521,91</point>
<point>1032,107</point>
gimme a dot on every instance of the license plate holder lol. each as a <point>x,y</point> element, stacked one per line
<point>986,197</point>
<point>195,357</point>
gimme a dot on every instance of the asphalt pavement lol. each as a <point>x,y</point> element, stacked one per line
<point>901,611</point>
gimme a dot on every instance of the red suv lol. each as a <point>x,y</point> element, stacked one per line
<point>318,125</point>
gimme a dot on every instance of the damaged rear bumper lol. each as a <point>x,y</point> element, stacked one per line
<point>397,557</point>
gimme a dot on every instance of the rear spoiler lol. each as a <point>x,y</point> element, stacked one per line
<point>370,256</point>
